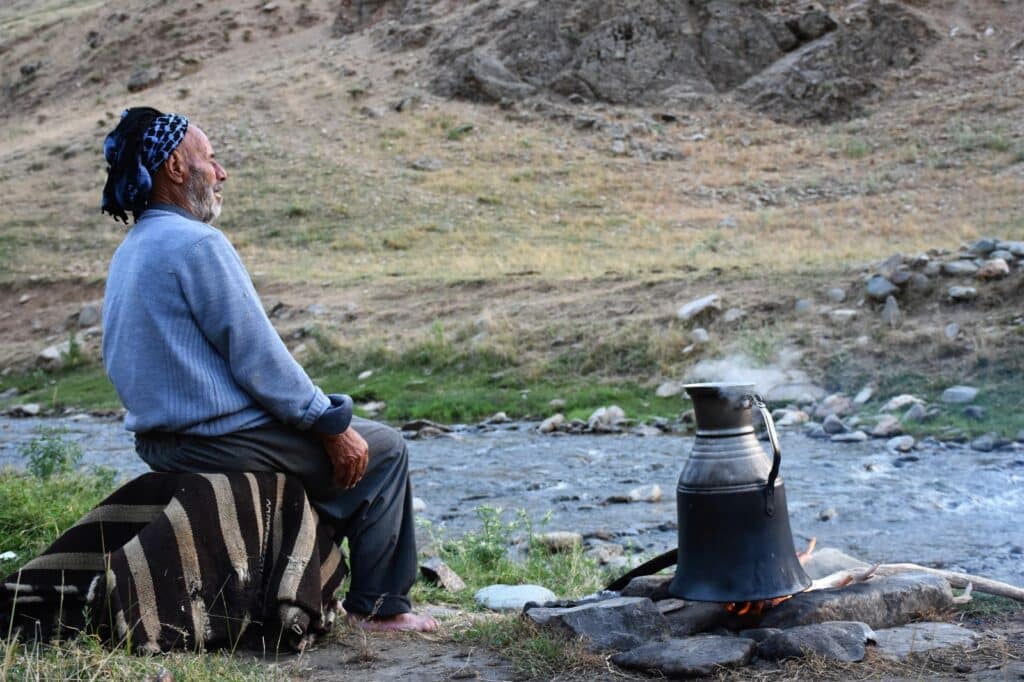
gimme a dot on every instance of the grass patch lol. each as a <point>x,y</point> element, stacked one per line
<point>535,653</point>
<point>83,386</point>
<point>988,605</point>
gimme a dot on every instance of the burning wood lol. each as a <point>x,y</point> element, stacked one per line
<point>753,608</point>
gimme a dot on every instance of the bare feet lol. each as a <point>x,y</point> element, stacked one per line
<point>403,622</point>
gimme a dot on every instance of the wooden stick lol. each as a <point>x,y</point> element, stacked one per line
<point>986,585</point>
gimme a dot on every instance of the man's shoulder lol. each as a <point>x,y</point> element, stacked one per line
<point>175,233</point>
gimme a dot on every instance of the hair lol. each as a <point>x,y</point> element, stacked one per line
<point>123,152</point>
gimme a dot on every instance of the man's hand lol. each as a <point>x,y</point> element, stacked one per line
<point>348,453</point>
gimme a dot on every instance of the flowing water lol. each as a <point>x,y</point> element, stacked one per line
<point>940,505</point>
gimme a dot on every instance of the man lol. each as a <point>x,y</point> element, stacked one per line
<point>209,385</point>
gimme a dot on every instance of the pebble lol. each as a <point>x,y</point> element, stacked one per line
<point>512,597</point>
<point>891,314</point>
<point>418,505</point>
<point>733,315</point>
<point>700,336</point>
<point>975,412</point>
<point>669,389</point>
<point>646,493</point>
<point>887,427</point>
<point>959,267</point>
<point>833,425</point>
<point>951,331</point>
<point>853,437</point>
<point>699,307</point>
<point>363,376</point>
<point>959,394</point>
<point>993,269</point>
<point>836,295</point>
<point>842,315</point>
<point>899,402</point>
<point>552,423</point>
<point>916,413</point>
<point>962,294</point>
<point>880,288</point>
<point>900,444</point>
<point>803,305</point>
<point>864,395</point>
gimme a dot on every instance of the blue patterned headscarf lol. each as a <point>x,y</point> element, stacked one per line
<point>136,148</point>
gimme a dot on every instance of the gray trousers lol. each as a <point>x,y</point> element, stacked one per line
<point>376,515</point>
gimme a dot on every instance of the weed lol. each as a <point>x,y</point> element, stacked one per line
<point>459,131</point>
<point>50,454</point>
<point>857,148</point>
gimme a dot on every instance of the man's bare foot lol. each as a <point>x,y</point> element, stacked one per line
<point>403,622</point>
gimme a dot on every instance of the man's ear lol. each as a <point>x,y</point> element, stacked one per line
<point>175,167</point>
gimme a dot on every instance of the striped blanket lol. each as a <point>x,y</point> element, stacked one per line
<point>192,561</point>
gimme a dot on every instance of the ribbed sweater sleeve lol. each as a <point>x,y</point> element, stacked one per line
<point>228,311</point>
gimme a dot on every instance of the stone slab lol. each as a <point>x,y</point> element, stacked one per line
<point>690,657</point>
<point>512,597</point>
<point>880,602</point>
<point>833,641</point>
<point>828,560</point>
<point>620,623</point>
<point>916,638</point>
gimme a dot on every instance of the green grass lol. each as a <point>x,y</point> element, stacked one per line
<point>535,653</point>
<point>83,386</point>
<point>987,605</point>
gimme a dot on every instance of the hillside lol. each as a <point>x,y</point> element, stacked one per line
<point>384,192</point>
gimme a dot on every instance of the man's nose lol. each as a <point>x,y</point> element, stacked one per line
<point>222,174</point>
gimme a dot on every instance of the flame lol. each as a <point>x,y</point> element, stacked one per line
<point>753,608</point>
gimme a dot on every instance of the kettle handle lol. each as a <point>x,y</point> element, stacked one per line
<point>773,438</point>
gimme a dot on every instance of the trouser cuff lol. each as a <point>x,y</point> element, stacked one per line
<point>384,605</point>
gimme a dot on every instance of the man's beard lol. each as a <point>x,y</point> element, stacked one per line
<point>201,197</point>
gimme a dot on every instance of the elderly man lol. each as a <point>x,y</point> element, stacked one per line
<point>209,385</point>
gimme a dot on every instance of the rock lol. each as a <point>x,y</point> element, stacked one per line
<point>418,505</point>
<point>436,571</point>
<point>901,276</point>
<point>512,597</point>
<point>606,418</point>
<point>1016,248</point>
<point>887,427</point>
<point>832,641</point>
<point>618,147</point>
<point>962,294</point>
<point>986,443</point>
<point>880,288</point>
<point>852,437</point>
<point>556,404</point>
<point>814,430</point>
<point>835,404</point>
<point>975,412</point>
<point>833,425</point>
<point>828,560</point>
<point>915,638</point>
<point>366,374</point>
<point>373,407</point>
<point>916,413</point>
<point>699,336</point>
<point>651,586</point>
<point>52,357</point>
<point>690,657</point>
<point>803,305</point>
<point>983,247</point>
<point>8,556</point>
<point>669,389</point>
<point>646,493</point>
<point>695,617</point>
<point>864,395</point>
<point>891,314</point>
<point>881,602</point>
<point>733,315</point>
<point>835,294</point>
<point>142,79</point>
<point>842,315</point>
<point>791,418</point>
<point>606,553</point>
<point>958,268</point>
<point>90,314</point>
<point>899,402</point>
<point>1020,436</point>
<point>900,444</point>
<point>920,283</point>
<point>552,423</point>
<point>959,394</point>
<point>497,418</point>
<point>951,331</point>
<point>1005,255</point>
<point>25,410</point>
<point>426,164</point>
<point>828,514</point>
<point>699,308</point>
<point>619,623</point>
<point>559,541</point>
<point>993,269</point>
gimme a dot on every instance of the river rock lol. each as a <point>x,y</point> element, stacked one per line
<point>975,412</point>
<point>983,246</point>
<point>25,410</point>
<point>842,315</point>
<point>52,357</point>
<point>1005,255</point>
<point>436,571</point>
<point>1016,248</point>
<point>879,288</point>
<point>899,402</point>
<point>887,427</point>
<point>836,404</point>
<point>699,336</point>
<point>900,444</point>
<point>646,493</point>
<point>700,307</point>
<point>993,269</point>
<point>669,389</point>
<point>418,505</point>
<point>835,294</point>
<point>959,267</point>
<point>790,417</point>
<point>832,641</point>
<point>90,314</point>
<point>620,623</point>
<point>651,586</point>
<point>833,425</point>
<point>986,443</point>
<point>951,331</point>
<point>864,395</point>
<point>559,541</point>
<point>881,602</point>
<point>552,423</point>
<point>733,315</point>
<point>915,638</point>
<point>690,657</point>
<point>852,437</point>
<point>959,294</point>
<point>606,418</point>
<point>803,305</point>
<point>916,413</point>
<point>497,418</point>
<point>512,597</point>
<point>828,560</point>
<point>891,314</point>
<point>606,553</point>
<point>959,394</point>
